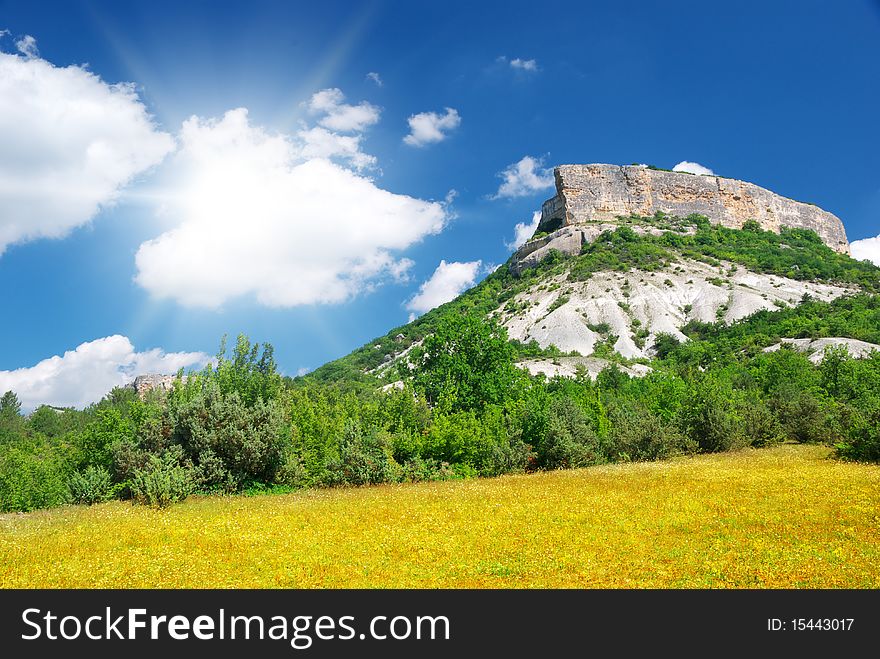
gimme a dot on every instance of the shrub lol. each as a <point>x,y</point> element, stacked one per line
<point>425,469</point>
<point>759,425</point>
<point>638,434</point>
<point>163,481</point>
<point>512,456</point>
<point>31,477</point>
<point>90,486</point>
<point>711,419</point>
<point>801,414</point>
<point>569,440</point>
<point>240,444</point>
<point>861,439</point>
<point>364,459</point>
<point>293,472</point>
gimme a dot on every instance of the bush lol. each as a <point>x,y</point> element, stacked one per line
<point>513,456</point>
<point>364,459</point>
<point>163,481</point>
<point>31,477</point>
<point>638,434</point>
<point>759,426</point>
<point>239,444</point>
<point>569,440</point>
<point>861,439</point>
<point>90,486</point>
<point>711,419</point>
<point>801,414</point>
<point>420,469</point>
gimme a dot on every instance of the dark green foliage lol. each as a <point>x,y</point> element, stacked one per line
<point>802,414</point>
<point>710,417</point>
<point>10,407</point>
<point>90,486</point>
<point>233,444</point>
<point>861,430</point>
<point>664,344</point>
<point>425,469</point>
<point>364,459</point>
<point>639,434</point>
<point>760,427</point>
<point>569,440</point>
<point>163,480</point>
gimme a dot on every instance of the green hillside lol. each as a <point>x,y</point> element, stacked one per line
<point>794,253</point>
<point>465,409</point>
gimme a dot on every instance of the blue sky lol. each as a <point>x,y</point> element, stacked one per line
<point>127,225</point>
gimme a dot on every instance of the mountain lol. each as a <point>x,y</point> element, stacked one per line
<point>626,255</point>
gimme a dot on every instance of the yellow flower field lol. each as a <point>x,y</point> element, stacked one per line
<point>777,518</point>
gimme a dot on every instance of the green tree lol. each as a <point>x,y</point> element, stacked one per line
<point>10,406</point>
<point>467,364</point>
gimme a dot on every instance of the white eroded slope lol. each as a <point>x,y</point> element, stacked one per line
<point>558,312</point>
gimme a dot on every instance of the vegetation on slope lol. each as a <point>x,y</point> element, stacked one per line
<point>795,253</point>
<point>467,411</point>
<point>785,517</point>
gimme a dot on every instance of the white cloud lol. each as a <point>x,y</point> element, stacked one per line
<point>319,142</point>
<point>524,64</point>
<point>255,219</point>
<point>342,116</point>
<point>867,248</point>
<point>374,77</point>
<point>447,282</point>
<point>430,127</point>
<point>693,168</point>
<point>84,375</point>
<point>524,178</point>
<point>27,46</point>
<point>71,142</point>
<point>523,231</point>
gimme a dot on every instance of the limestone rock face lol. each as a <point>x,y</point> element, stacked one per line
<point>145,383</point>
<point>601,193</point>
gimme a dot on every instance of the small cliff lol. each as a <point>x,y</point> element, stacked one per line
<point>601,193</point>
<point>143,384</point>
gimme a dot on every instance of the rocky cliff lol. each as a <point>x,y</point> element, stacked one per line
<point>601,193</point>
<point>143,384</point>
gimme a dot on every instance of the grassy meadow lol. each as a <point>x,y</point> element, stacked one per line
<point>784,517</point>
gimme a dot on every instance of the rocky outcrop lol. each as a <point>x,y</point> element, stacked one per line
<point>569,240</point>
<point>815,348</point>
<point>143,384</point>
<point>602,193</point>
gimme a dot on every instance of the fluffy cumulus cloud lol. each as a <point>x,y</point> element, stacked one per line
<point>340,116</point>
<point>524,178</point>
<point>84,375</point>
<point>255,217</point>
<point>71,142</point>
<point>523,231</point>
<point>448,281</point>
<point>866,249</point>
<point>693,168</point>
<point>318,142</point>
<point>431,127</point>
